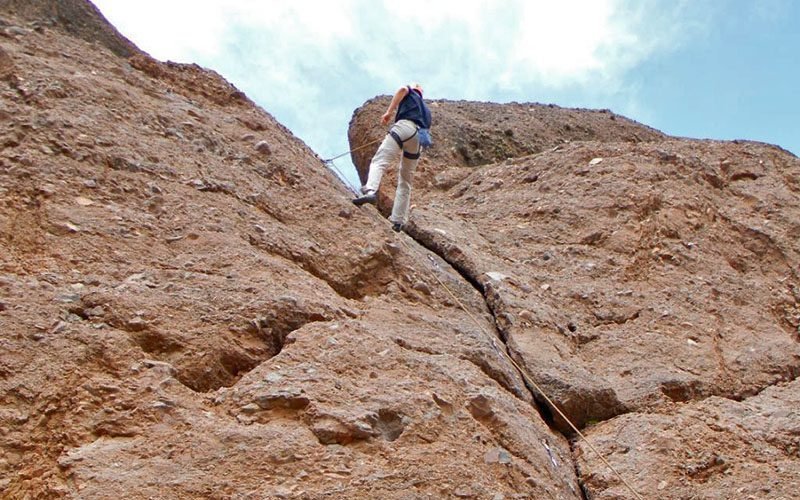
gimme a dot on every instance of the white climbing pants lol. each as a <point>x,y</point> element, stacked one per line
<point>387,154</point>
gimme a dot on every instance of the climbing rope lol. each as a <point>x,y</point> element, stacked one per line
<point>344,179</point>
<point>330,163</point>
<point>527,378</point>
<point>354,150</point>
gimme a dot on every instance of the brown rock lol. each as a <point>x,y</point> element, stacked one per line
<point>6,65</point>
<point>719,447</point>
<point>637,305</point>
<point>263,148</point>
<point>240,341</point>
<point>292,399</point>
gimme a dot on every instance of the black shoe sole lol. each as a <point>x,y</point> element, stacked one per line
<point>363,200</point>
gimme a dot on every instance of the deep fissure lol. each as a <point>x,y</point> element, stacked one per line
<point>541,406</point>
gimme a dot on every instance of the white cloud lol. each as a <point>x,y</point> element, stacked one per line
<point>310,63</point>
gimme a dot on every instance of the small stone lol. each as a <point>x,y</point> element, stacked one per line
<point>3,306</point>
<point>173,132</point>
<point>464,492</point>
<point>283,492</point>
<point>289,300</point>
<point>495,276</point>
<point>64,228</point>
<point>47,190</point>
<point>161,366</point>
<point>250,408</point>
<point>84,202</point>
<point>545,287</point>
<point>136,324</point>
<point>84,140</point>
<point>596,161</point>
<point>497,456</point>
<point>263,148</point>
<point>422,287</point>
<point>90,183</point>
<point>481,407</point>
<point>526,315</point>
<point>17,31</point>
<point>291,399</point>
<point>331,432</point>
<point>248,137</point>
<point>662,485</point>
<point>94,311</point>
<point>59,327</point>
<point>68,298</point>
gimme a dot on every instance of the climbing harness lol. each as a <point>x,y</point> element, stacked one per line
<point>527,378</point>
<point>400,142</point>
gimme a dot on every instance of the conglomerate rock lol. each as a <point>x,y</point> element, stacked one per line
<point>191,307</point>
<point>637,279</point>
<point>180,318</point>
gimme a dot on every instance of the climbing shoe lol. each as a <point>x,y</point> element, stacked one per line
<point>367,198</point>
<point>397,226</point>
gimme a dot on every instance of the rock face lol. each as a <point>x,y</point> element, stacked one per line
<point>77,17</point>
<point>178,319</point>
<point>641,281</point>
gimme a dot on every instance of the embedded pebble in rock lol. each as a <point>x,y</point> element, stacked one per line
<point>263,148</point>
<point>497,455</point>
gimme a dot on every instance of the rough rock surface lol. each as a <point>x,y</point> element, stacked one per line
<point>191,307</point>
<point>639,280</point>
<point>180,318</point>
<point>77,17</point>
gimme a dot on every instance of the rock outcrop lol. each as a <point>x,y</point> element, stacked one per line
<point>77,17</point>
<point>638,279</point>
<point>180,319</point>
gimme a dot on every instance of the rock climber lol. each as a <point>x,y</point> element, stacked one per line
<point>411,116</point>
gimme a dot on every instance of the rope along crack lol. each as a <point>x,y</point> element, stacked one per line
<point>525,376</point>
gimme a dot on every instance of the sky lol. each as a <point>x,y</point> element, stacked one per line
<point>718,69</point>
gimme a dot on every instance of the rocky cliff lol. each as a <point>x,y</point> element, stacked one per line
<point>180,318</point>
<point>647,284</point>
